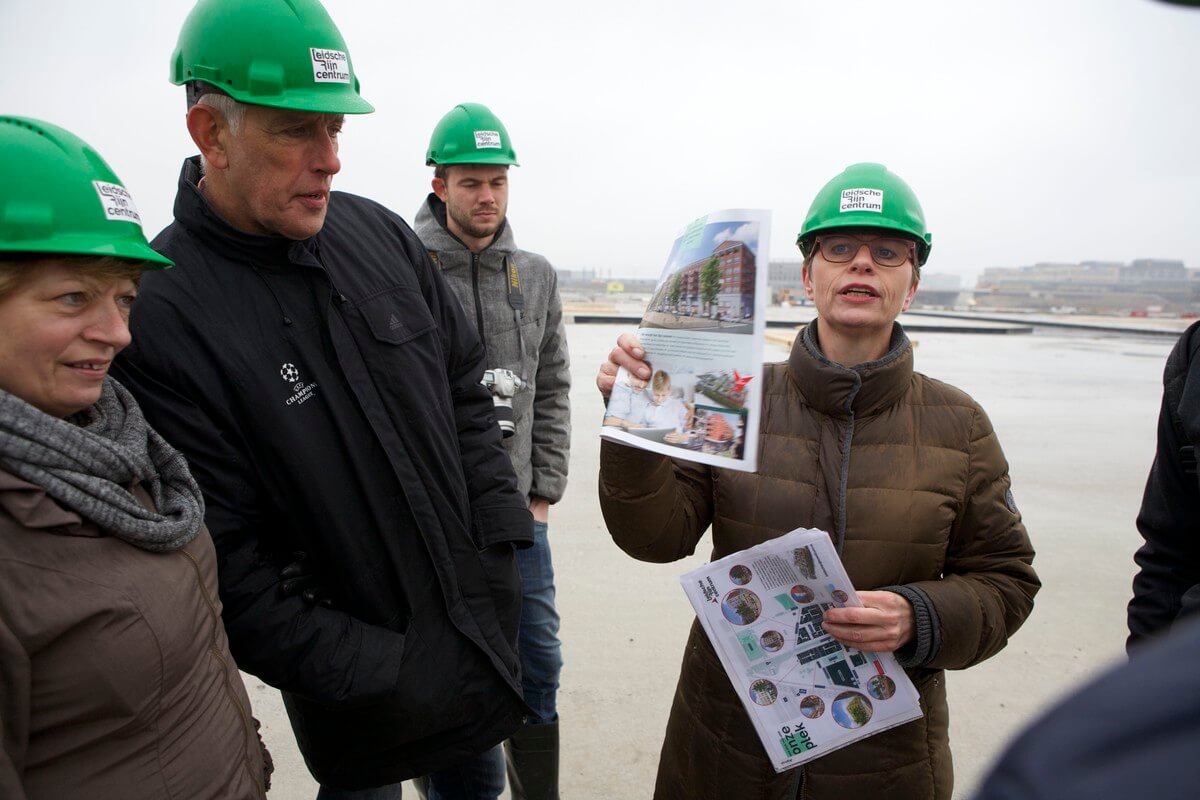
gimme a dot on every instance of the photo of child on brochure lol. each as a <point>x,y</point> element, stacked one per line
<point>678,411</point>
<point>702,332</point>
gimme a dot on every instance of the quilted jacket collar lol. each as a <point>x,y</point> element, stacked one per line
<point>865,389</point>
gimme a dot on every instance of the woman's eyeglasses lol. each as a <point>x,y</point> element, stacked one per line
<point>886,252</point>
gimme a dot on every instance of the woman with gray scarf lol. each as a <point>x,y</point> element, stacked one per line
<point>115,675</point>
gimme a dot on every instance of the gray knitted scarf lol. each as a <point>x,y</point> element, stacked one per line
<point>87,462</point>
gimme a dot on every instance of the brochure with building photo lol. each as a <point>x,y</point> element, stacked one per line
<point>703,335</point>
<point>806,693</point>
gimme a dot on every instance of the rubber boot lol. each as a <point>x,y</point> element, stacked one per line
<point>532,757</point>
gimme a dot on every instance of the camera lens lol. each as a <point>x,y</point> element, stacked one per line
<point>504,418</point>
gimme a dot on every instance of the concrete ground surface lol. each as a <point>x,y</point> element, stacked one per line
<point>1076,416</point>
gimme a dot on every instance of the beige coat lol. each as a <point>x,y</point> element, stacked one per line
<point>906,474</point>
<point>116,681</point>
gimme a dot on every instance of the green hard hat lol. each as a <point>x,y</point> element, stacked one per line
<point>58,196</point>
<point>867,196</point>
<point>470,134</point>
<point>280,53</point>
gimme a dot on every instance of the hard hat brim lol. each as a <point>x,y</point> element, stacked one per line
<point>473,158</point>
<point>87,246</point>
<point>319,102</point>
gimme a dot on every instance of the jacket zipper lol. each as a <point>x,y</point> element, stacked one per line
<point>478,303</point>
<point>844,474</point>
<point>232,695</point>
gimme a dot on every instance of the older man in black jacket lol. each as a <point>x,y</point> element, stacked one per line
<point>322,380</point>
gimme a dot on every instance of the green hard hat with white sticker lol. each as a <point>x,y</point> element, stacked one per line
<point>59,196</point>
<point>470,134</point>
<point>867,196</point>
<point>279,53</point>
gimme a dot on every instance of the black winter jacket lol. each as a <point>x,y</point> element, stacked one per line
<point>326,394</point>
<point>1167,585</point>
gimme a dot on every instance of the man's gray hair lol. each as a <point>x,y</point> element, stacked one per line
<point>233,112</point>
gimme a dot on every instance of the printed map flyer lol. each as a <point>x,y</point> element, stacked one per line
<point>806,693</point>
<point>703,335</point>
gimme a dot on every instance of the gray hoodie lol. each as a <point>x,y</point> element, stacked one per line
<point>541,445</point>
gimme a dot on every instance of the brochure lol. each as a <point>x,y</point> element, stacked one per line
<point>806,693</point>
<point>703,336</point>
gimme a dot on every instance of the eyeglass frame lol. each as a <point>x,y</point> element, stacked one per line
<point>911,245</point>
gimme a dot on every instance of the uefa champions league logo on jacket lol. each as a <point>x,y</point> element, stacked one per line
<point>303,391</point>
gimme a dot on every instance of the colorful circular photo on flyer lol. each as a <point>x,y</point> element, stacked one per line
<point>741,606</point>
<point>771,641</point>
<point>812,707</point>
<point>851,710</point>
<point>839,596</point>
<point>740,574</point>
<point>763,692</point>
<point>881,687</point>
<point>802,594</point>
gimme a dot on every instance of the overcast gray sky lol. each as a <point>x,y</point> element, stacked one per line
<point>1032,130</point>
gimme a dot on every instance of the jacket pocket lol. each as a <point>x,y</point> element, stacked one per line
<point>396,315</point>
<point>403,354</point>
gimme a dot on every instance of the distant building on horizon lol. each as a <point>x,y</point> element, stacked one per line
<point>1092,286</point>
<point>578,277</point>
<point>785,281</point>
<point>940,282</point>
<point>786,274</point>
<point>595,282</point>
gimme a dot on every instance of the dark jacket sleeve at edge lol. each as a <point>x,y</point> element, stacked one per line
<point>1168,579</point>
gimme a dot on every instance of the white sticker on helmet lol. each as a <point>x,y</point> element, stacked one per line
<point>487,140</point>
<point>117,204</point>
<point>862,200</point>
<point>330,66</point>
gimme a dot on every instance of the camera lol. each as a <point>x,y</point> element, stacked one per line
<point>503,384</point>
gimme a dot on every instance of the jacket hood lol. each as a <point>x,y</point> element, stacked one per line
<point>865,388</point>
<point>430,225</point>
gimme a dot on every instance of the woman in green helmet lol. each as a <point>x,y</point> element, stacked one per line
<point>904,472</point>
<point>115,676</point>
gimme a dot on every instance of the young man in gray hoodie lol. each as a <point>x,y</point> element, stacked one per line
<point>512,297</point>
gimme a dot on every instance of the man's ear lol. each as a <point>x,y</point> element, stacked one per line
<point>439,188</point>
<point>208,129</point>
<point>806,276</point>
